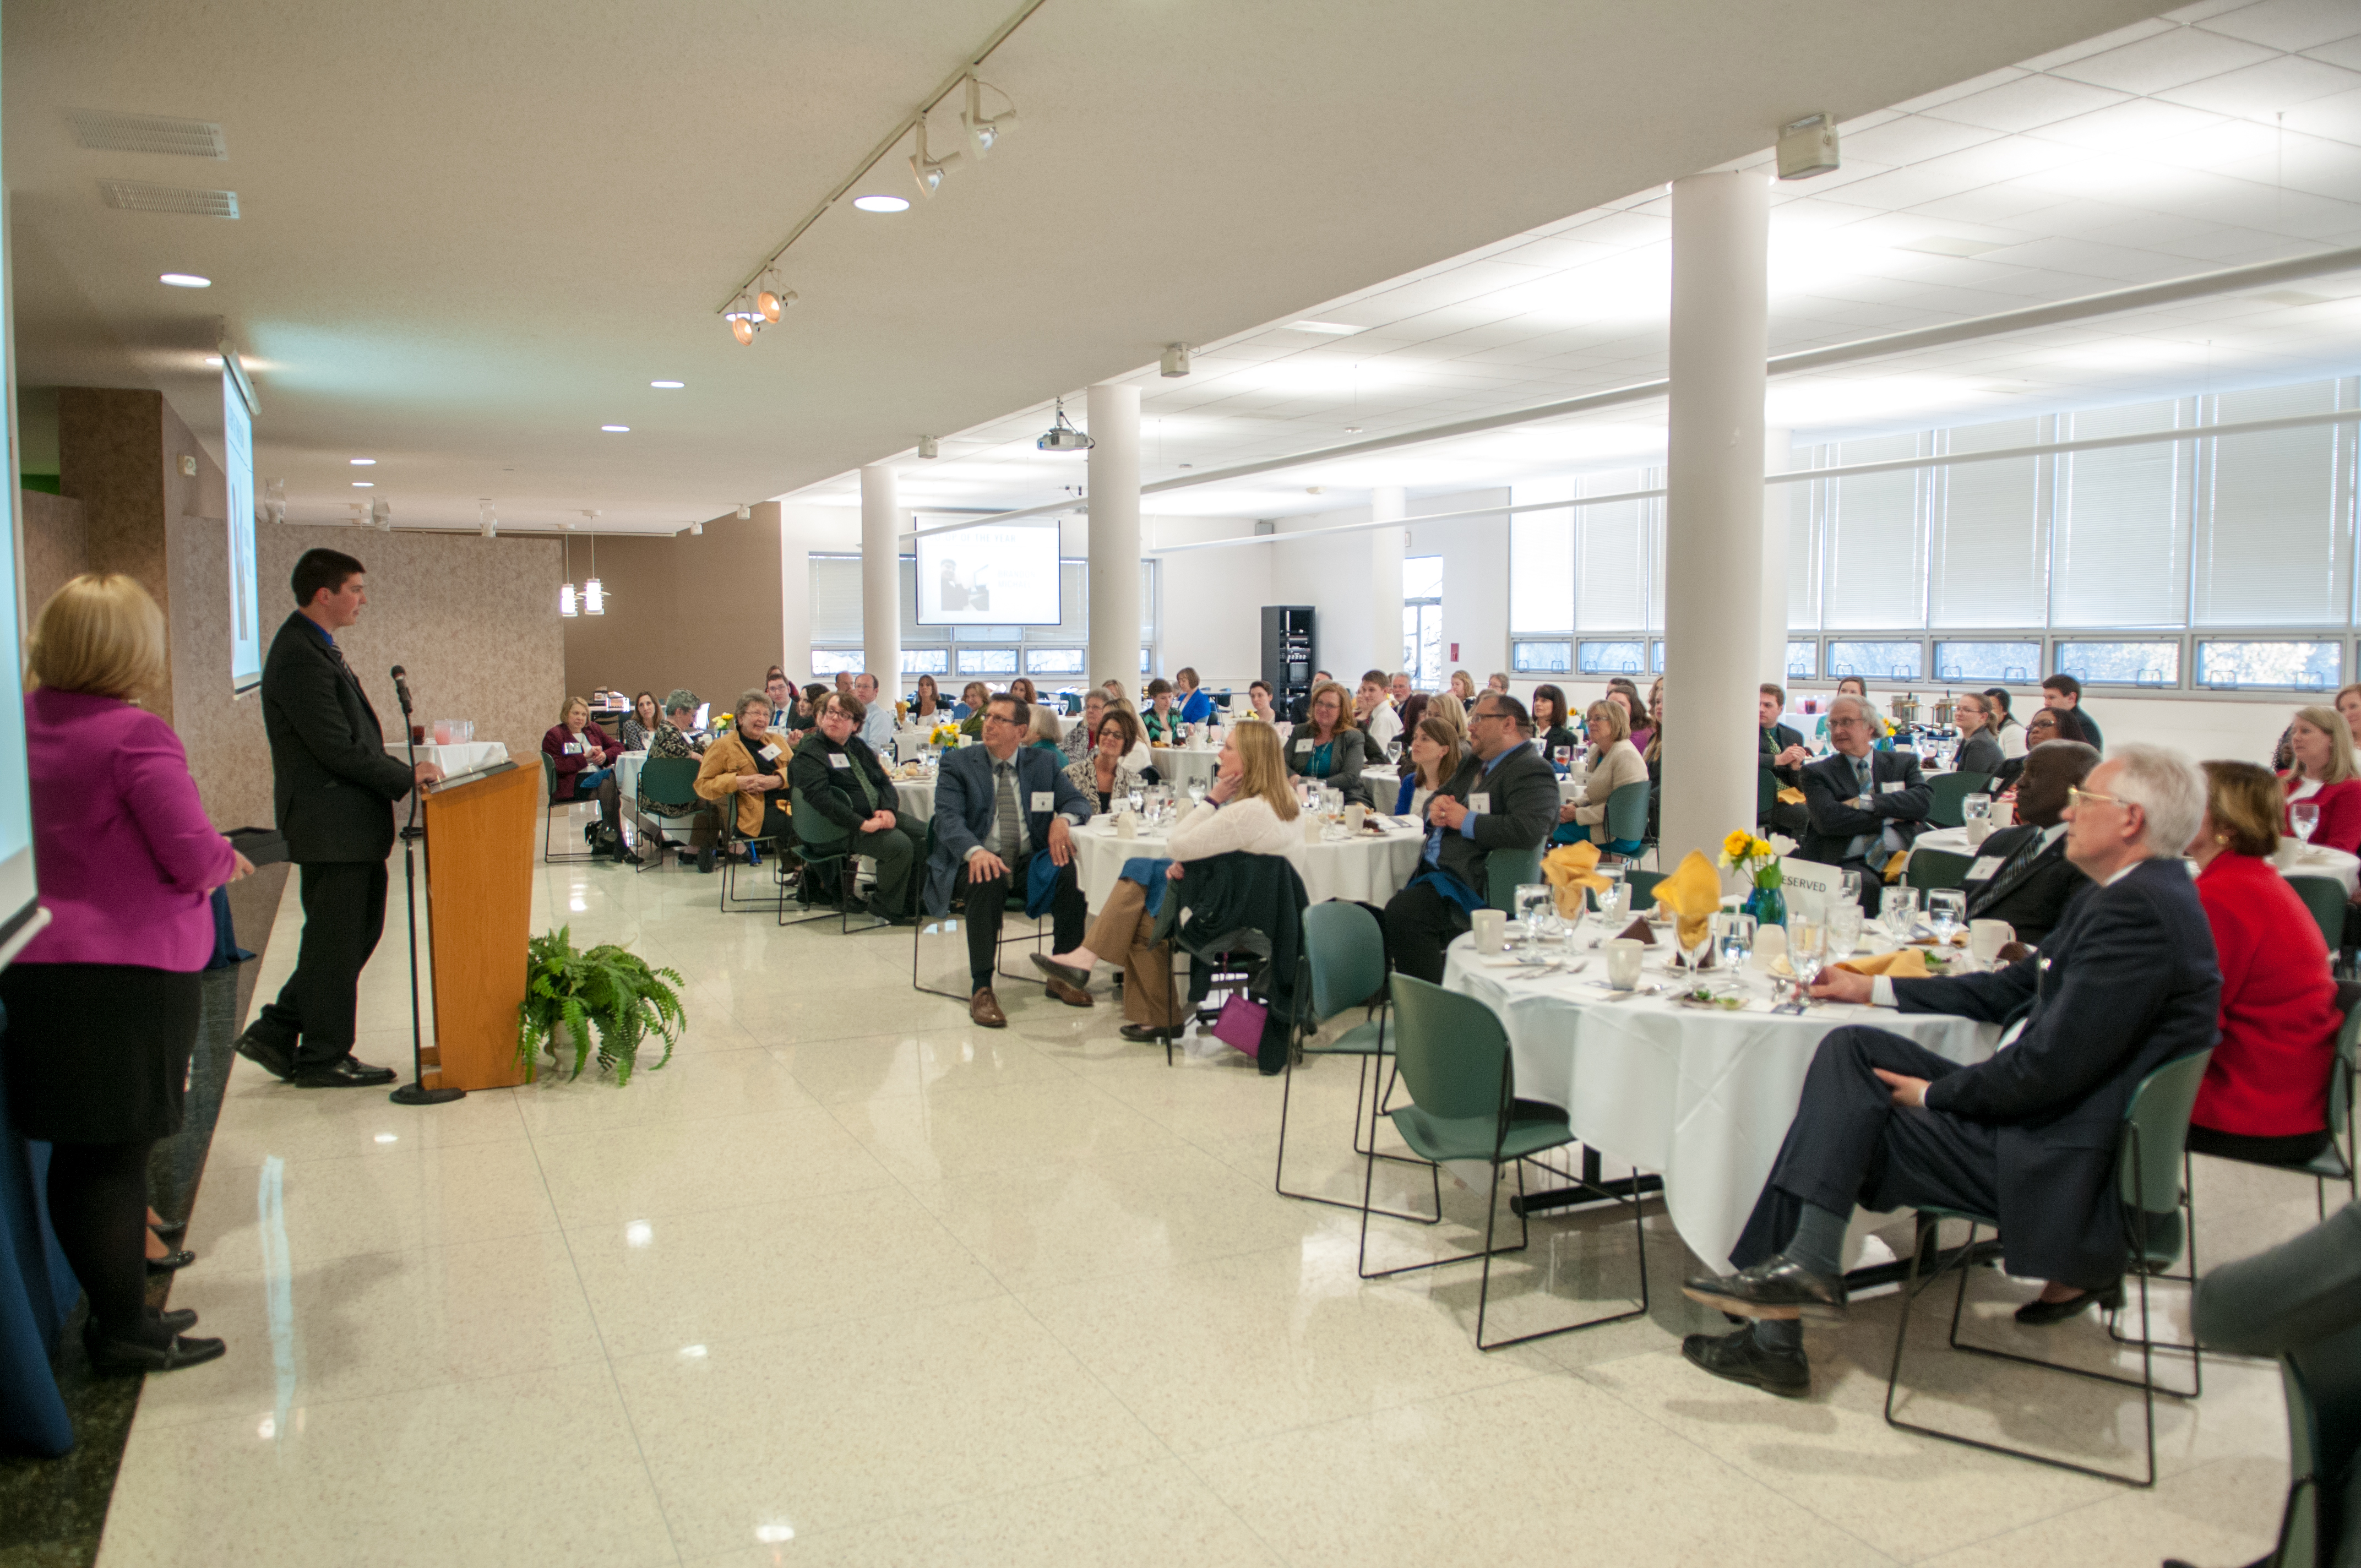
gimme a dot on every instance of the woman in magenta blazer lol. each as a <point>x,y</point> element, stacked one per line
<point>2327,775</point>
<point>103,1002</point>
<point>2265,1097</point>
<point>582,760</point>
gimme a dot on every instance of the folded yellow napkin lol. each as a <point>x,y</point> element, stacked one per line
<point>1691,895</point>
<point>1570,869</point>
<point>1791,797</point>
<point>1902,963</point>
<point>1895,865</point>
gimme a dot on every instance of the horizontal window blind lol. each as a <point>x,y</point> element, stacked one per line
<point>835,599</point>
<point>1987,559</point>
<point>2122,556</point>
<point>2273,545</point>
<point>1616,555</point>
<point>1875,549</point>
<point>1541,561</point>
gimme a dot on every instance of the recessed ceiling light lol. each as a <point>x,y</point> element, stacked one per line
<point>667,386</point>
<point>1352,430</point>
<point>185,280</point>
<point>363,462</point>
<point>1325,329</point>
<point>364,485</point>
<point>882,204</point>
<point>616,428</point>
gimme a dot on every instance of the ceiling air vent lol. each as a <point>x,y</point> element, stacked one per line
<point>104,130</point>
<point>140,196</point>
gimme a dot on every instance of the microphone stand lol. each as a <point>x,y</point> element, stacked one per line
<point>415,1091</point>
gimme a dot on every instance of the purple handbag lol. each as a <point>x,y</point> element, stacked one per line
<point>1240,1022</point>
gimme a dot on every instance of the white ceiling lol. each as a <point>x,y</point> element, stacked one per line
<point>473,233</point>
<point>2222,134</point>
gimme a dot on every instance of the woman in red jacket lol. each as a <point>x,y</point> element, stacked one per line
<point>2326,774</point>
<point>584,761</point>
<point>2265,1097</point>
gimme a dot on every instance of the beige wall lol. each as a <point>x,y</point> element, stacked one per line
<point>55,546</point>
<point>697,610</point>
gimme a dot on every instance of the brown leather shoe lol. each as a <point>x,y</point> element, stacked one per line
<point>1072,996</point>
<point>984,1009</point>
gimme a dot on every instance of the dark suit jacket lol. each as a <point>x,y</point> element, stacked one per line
<point>1980,754</point>
<point>2128,983</point>
<point>333,784</point>
<point>1522,812</point>
<point>831,790</point>
<point>2031,894</point>
<point>964,802</point>
<point>1829,789</point>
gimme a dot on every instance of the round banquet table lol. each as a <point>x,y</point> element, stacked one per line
<point>918,796</point>
<point>2294,859</point>
<point>1371,869</point>
<point>1701,1096</point>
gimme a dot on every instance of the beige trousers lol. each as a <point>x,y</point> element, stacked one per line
<point>1123,926</point>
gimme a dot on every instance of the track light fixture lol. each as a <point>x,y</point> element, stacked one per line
<point>1176,359</point>
<point>982,133</point>
<point>697,528</point>
<point>1062,436</point>
<point>930,172</point>
<point>773,302</point>
<point>744,511</point>
<point>929,447</point>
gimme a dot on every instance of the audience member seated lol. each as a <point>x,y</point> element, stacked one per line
<point>1611,764</point>
<point>671,739</point>
<point>584,761</point>
<point>1783,757</point>
<point>1162,720</point>
<point>1047,732</point>
<point>2022,874</point>
<point>2063,694</point>
<point>1300,709</point>
<point>2326,775</point>
<point>1504,798</point>
<point>1497,681</point>
<point>1327,749</point>
<point>1140,760</point>
<point>1104,773</point>
<point>1196,706</point>
<point>2348,703</point>
<point>788,713</point>
<point>1398,687</point>
<point>1551,731</point>
<point>1443,704</point>
<point>2028,1136</point>
<point>1643,719</point>
<point>997,806</point>
<point>1081,737</point>
<point>1980,750</point>
<point>1250,809</point>
<point>1021,689</point>
<point>1259,702</point>
<point>2006,727</point>
<point>748,761</point>
<point>1414,707</point>
<point>1865,805</point>
<point>1652,753</point>
<point>1621,690</point>
<point>2265,1098</point>
<point>973,698</point>
<point>639,728</point>
<point>1462,686</point>
<point>1113,690</point>
<point>1373,712</point>
<point>1437,751</point>
<point>1853,686</point>
<point>926,707</point>
<point>843,781</point>
<point>877,718</point>
<point>806,709</point>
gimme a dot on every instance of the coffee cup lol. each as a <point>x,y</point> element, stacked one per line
<point>1491,925</point>
<point>1979,829</point>
<point>2003,813</point>
<point>1623,956</point>
<point>1355,814</point>
<point>1987,938</point>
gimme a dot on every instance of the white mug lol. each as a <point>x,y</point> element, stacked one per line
<point>2003,813</point>
<point>1491,925</point>
<point>1623,956</point>
<point>1355,814</point>
<point>1979,829</point>
<point>1987,938</point>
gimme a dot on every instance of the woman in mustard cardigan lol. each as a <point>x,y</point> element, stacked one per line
<point>750,762</point>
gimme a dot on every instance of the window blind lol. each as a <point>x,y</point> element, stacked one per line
<point>1541,561</point>
<point>1987,560</point>
<point>1875,544</point>
<point>1616,554</point>
<point>835,598</point>
<point>2272,546</point>
<point>2121,554</point>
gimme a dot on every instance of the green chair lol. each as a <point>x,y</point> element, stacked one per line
<point>776,843</point>
<point>821,846</point>
<point>922,923</point>
<point>2151,1169</point>
<point>2320,1380</point>
<point>664,778</point>
<point>1504,870</point>
<point>1453,1055</point>
<point>1950,792</point>
<point>2325,897</point>
<point>1643,887</point>
<point>1343,965</point>
<point>2336,1162</point>
<point>550,806</point>
<point>1625,830</point>
<point>1935,868</point>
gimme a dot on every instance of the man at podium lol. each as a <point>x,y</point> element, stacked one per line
<point>333,787</point>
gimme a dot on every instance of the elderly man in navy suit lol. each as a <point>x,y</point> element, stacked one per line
<point>2126,982</point>
<point>997,807</point>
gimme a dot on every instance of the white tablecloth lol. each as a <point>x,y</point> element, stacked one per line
<point>1179,765</point>
<point>458,759</point>
<point>1702,1098</point>
<point>918,796</point>
<point>2310,861</point>
<point>1370,870</point>
<point>627,778</point>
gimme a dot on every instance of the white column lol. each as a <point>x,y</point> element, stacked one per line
<point>1385,580</point>
<point>1713,509</point>
<point>1778,455</point>
<point>881,579</point>
<point>1114,413</point>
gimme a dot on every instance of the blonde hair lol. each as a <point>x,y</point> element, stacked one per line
<point>1344,709</point>
<point>1263,768</point>
<point>2331,723</point>
<point>1443,704</point>
<point>1458,676</point>
<point>571,703</point>
<point>1612,714</point>
<point>2244,802</point>
<point>100,634</point>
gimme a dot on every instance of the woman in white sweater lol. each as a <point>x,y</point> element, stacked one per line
<point>1613,763</point>
<point>1250,808</point>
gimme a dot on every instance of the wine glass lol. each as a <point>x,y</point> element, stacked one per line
<point>1563,757</point>
<point>1735,930</point>
<point>1536,909</point>
<point>1844,924</point>
<point>1947,911</point>
<point>1137,798</point>
<point>1900,912</point>
<point>1806,949</point>
<point>1849,887</point>
<point>2304,817</point>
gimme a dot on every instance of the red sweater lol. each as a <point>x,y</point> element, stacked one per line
<point>2269,1078</point>
<point>2340,814</point>
<point>596,751</point>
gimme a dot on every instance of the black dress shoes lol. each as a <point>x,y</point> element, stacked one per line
<point>1080,979</point>
<point>2040,1314</point>
<point>266,1051</point>
<point>180,1319</point>
<point>117,1356</point>
<point>1737,1358</point>
<point>1772,1289</point>
<point>1140,1033</point>
<point>343,1074</point>
<point>171,1261</point>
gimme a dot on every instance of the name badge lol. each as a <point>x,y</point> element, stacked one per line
<point>575,748</point>
<point>1043,800</point>
<point>771,752</point>
<point>1890,786</point>
<point>838,760</point>
<point>1986,868</point>
<point>1304,745</point>
<point>1480,801</point>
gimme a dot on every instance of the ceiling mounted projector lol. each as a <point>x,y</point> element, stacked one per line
<point>1064,437</point>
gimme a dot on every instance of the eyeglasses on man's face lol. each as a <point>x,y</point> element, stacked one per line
<point>2076,795</point>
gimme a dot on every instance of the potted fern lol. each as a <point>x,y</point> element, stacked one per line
<point>610,990</point>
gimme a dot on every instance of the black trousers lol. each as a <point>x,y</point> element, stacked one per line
<point>896,851</point>
<point>343,916</point>
<point>985,901</point>
<point>1850,1145</point>
<point>1420,924</point>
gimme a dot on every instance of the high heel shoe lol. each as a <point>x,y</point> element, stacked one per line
<point>2040,1314</point>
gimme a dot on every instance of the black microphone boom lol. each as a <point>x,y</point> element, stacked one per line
<point>415,1091</point>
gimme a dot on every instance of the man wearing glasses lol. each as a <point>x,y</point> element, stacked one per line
<point>1865,804</point>
<point>2126,982</point>
<point>1503,797</point>
<point>997,808</point>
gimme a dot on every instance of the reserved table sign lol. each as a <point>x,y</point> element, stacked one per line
<point>1808,885</point>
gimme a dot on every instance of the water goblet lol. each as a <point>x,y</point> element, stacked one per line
<point>1849,887</point>
<point>1536,905</point>
<point>1734,930</point>
<point>1947,911</point>
<point>1807,950</point>
<point>1844,923</point>
<point>2304,817</point>
<point>1899,911</point>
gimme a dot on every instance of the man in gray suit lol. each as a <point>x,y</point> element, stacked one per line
<point>997,807</point>
<point>1503,797</point>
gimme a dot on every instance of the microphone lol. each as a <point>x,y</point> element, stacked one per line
<point>401,689</point>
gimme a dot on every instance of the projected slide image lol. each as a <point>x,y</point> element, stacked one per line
<point>990,576</point>
<point>238,461</point>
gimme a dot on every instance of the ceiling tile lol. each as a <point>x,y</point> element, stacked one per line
<point>1914,140</point>
<point>2139,122</point>
<point>2344,51</point>
<point>2337,118</point>
<point>2290,24</point>
<point>2168,60</point>
<point>2147,28</point>
<point>2259,91</point>
<point>1957,90</point>
<point>2028,101</point>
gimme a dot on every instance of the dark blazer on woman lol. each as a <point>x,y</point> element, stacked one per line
<point>1979,753</point>
<point>1347,756</point>
<point>332,784</point>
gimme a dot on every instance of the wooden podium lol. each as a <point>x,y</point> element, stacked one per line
<point>478,919</point>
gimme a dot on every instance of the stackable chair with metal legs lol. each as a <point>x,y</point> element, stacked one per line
<point>921,923</point>
<point>551,806</point>
<point>1452,1055</point>
<point>776,844</point>
<point>823,849</point>
<point>664,778</point>
<point>2151,1171</point>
